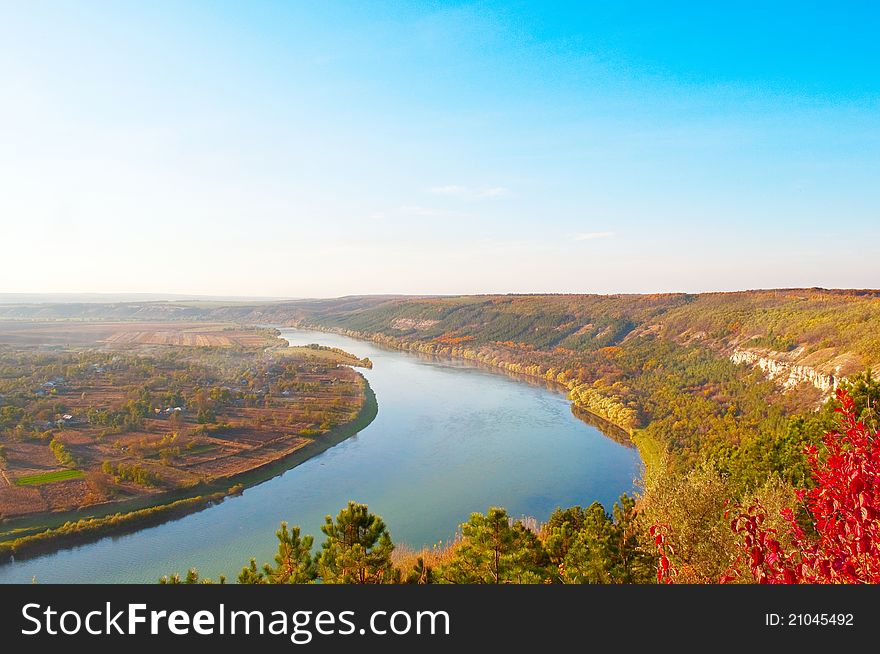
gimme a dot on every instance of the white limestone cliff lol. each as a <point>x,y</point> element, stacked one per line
<point>787,373</point>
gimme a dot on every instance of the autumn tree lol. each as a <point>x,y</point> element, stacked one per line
<point>690,508</point>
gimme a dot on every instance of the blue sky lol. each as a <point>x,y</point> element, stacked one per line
<point>323,149</point>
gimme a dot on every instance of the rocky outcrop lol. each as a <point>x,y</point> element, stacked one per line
<point>405,324</point>
<point>787,373</point>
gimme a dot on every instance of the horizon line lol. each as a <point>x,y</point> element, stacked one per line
<point>27,298</point>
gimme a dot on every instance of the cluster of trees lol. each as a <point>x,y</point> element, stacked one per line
<point>133,472</point>
<point>10,416</point>
<point>357,549</point>
<point>62,454</point>
<point>34,387</point>
<point>149,382</point>
<point>344,357</point>
<point>129,416</point>
<point>605,404</point>
<point>575,546</point>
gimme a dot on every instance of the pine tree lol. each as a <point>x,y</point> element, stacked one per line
<point>560,532</point>
<point>589,559</point>
<point>192,577</point>
<point>293,562</point>
<point>493,551</point>
<point>250,574</point>
<point>357,550</point>
<point>588,546</point>
<point>633,564</point>
<point>421,573</point>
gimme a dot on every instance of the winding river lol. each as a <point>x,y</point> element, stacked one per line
<point>450,438</point>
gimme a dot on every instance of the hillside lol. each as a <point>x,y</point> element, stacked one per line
<point>828,330</point>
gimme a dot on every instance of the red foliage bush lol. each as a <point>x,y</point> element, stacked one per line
<point>665,572</point>
<point>844,507</point>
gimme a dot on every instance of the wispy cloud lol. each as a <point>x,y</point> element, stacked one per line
<point>458,191</point>
<point>589,236</point>
<point>493,192</point>
<point>428,212</point>
<point>450,189</point>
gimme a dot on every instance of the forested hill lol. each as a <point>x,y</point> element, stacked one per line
<point>686,374</point>
<point>833,331</point>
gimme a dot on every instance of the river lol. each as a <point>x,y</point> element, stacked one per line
<point>450,438</point>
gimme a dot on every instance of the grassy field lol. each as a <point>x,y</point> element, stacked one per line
<point>131,334</point>
<point>48,477</point>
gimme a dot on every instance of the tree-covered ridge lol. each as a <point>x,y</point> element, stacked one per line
<point>814,319</point>
<point>826,326</point>
<point>571,322</point>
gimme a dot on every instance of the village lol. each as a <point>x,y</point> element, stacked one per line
<point>103,423</point>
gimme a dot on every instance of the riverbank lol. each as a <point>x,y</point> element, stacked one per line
<point>90,529</point>
<point>25,538</point>
<point>650,451</point>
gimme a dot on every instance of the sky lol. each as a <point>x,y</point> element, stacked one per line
<point>319,149</point>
